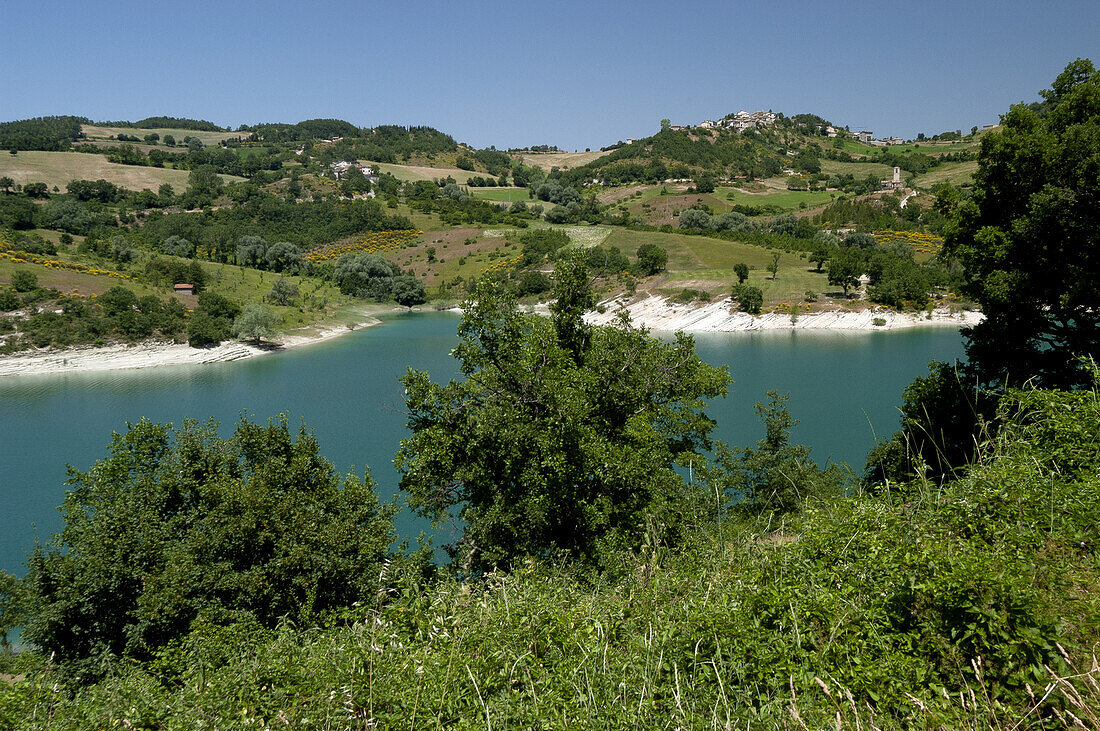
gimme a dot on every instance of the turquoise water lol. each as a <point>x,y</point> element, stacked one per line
<point>842,385</point>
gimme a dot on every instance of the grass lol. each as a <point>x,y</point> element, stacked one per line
<point>935,148</point>
<point>956,173</point>
<point>420,172</point>
<point>508,195</point>
<point>853,146</point>
<point>320,303</point>
<point>858,169</point>
<point>561,159</point>
<point>707,263</point>
<point>59,168</point>
<point>94,132</point>
<point>787,200</point>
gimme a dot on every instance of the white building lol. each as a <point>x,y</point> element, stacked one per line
<point>340,169</point>
<point>896,183</point>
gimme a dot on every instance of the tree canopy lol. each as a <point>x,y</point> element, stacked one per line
<point>562,437</point>
<point>1029,237</point>
<point>177,525</point>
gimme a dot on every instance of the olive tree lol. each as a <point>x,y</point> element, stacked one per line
<point>256,322</point>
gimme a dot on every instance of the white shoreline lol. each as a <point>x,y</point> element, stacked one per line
<point>153,354</point>
<point>661,315</point>
<point>652,312</point>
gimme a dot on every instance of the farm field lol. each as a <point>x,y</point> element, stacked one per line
<point>936,148</point>
<point>853,146</point>
<point>706,263</point>
<point>547,160</point>
<point>421,172</point>
<point>858,169</point>
<point>956,173</point>
<point>94,132</point>
<point>507,195</point>
<point>787,200</point>
<point>59,168</point>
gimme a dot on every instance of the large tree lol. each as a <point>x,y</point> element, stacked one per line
<point>562,437</point>
<point>1029,238</point>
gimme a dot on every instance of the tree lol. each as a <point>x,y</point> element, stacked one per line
<point>776,476</point>
<point>178,246</point>
<point>179,525</point>
<point>365,275</point>
<point>695,219</point>
<point>283,256</point>
<point>6,183</point>
<point>283,292</point>
<point>820,254</point>
<point>741,269</point>
<point>36,190</point>
<point>1029,238</point>
<point>166,194</point>
<point>750,299</point>
<point>203,185</point>
<point>561,439</point>
<point>24,280</point>
<point>256,322</point>
<point>651,259</point>
<point>66,215</point>
<point>845,268</point>
<point>408,291</point>
<point>773,266</point>
<point>203,330</point>
<point>251,251</point>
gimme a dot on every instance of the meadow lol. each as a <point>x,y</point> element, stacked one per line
<point>59,168</point>
<point>97,132</point>
<point>956,173</point>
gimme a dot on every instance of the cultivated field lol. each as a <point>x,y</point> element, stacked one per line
<point>858,169</point>
<point>508,195</point>
<point>701,262</point>
<point>956,173</point>
<point>59,168</point>
<point>95,132</point>
<point>421,172</point>
<point>788,200</point>
<point>547,160</point>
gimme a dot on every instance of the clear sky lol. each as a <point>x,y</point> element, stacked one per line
<point>573,74</point>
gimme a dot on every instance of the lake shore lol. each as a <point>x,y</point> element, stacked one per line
<point>653,312</point>
<point>154,354</point>
<point>662,315</point>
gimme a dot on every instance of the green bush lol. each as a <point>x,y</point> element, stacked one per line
<point>24,280</point>
<point>178,525</point>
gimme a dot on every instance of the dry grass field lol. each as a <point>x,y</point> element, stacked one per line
<point>547,160</point>
<point>58,168</point>
<point>95,132</point>
<point>421,172</point>
<point>956,173</point>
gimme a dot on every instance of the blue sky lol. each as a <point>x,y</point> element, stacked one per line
<point>510,74</point>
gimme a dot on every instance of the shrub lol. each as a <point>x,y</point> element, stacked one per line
<point>24,280</point>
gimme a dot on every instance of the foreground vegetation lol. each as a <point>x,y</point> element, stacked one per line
<point>964,605</point>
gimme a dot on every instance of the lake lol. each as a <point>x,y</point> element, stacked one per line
<point>845,388</point>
